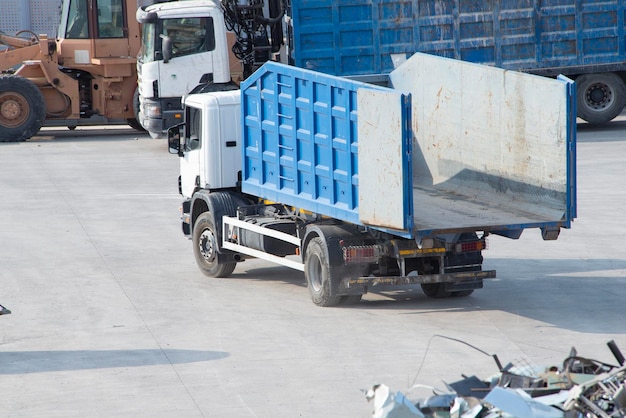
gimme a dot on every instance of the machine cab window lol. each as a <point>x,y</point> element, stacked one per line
<point>105,17</point>
<point>110,18</point>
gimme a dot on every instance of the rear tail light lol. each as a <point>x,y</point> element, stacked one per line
<point>360,254</point>
<point>472,246</point>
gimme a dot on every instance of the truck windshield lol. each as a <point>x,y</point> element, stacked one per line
<point>148,40</point>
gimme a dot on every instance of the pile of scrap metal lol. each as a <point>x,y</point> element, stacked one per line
<point>581,388</point>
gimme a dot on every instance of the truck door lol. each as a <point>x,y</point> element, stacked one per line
<point>193,55</point>
<point>190,162</point>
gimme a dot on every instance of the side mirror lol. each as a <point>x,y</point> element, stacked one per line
<point>167,48</point>
<point>174,140</point>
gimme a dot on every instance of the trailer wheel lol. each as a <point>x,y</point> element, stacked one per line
<point>600,97</point>
<point>205,248</point>
<point>462,293</point>
<point>22,109</point>
<point>322,286</point>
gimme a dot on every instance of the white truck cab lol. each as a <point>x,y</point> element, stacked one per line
<point>210,143</point>
<point>184,45</point>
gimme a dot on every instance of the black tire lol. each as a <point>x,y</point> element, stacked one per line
<point>322,286</point>
<point>351,299</point>
<point>134,122</point>
<point>462,293</point>
<point>435,290</point>
<point>205,248</point>
<point>600,97</point>
<point>22,109</point>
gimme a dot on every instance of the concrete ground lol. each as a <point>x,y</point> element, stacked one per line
<point>111,317</point>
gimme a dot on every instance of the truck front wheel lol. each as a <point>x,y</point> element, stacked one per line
<point>601,97</point>
<point>22,109</point>
<point>205,248</point>
<point>134,122</point>
<point>322,286</point>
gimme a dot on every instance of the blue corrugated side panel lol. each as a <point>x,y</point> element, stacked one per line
<point>300,139</point>
<point>355,37</point>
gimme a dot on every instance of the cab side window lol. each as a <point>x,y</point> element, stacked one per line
<point>194,128</point>
<point>189,35</point>
<point>110,18</point>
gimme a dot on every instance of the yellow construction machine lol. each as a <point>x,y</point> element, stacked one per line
<point>88,70</point>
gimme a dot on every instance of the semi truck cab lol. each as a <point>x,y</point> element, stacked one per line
<point>184,45</point>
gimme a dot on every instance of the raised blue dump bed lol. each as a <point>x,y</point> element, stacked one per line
<point>452,147</point>
<point>301,140</point>
<point>547,37</point>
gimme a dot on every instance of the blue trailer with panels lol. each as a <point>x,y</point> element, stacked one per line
<point>584,40</point>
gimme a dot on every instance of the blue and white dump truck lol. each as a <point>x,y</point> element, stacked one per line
<point>366,187</point>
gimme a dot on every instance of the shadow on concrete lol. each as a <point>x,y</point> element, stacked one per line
<point>579,295</point>
<point>23,362</point>
<point>90,136</point>
<point>562,293</point>
<point>272,274</point>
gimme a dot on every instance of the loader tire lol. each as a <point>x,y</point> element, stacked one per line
<point>22,109</point>
<point>600,97</point>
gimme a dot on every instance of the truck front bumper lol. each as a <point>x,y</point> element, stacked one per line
<point>158,115</point>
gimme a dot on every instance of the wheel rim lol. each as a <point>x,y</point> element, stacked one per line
<point>599,96</point>
<point>13,109</point>
<point>314,271</point>
<point>207,245</point>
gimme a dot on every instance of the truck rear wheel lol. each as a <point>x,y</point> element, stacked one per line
<point>436,290</point>
<point>601,97</point>
<point>205,248</point>
<point>322,286</point>
<point>22,109</point>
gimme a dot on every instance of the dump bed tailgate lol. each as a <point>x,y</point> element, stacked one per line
<point>493,149</point>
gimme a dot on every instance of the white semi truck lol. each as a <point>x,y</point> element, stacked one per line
<point>197,44</point>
